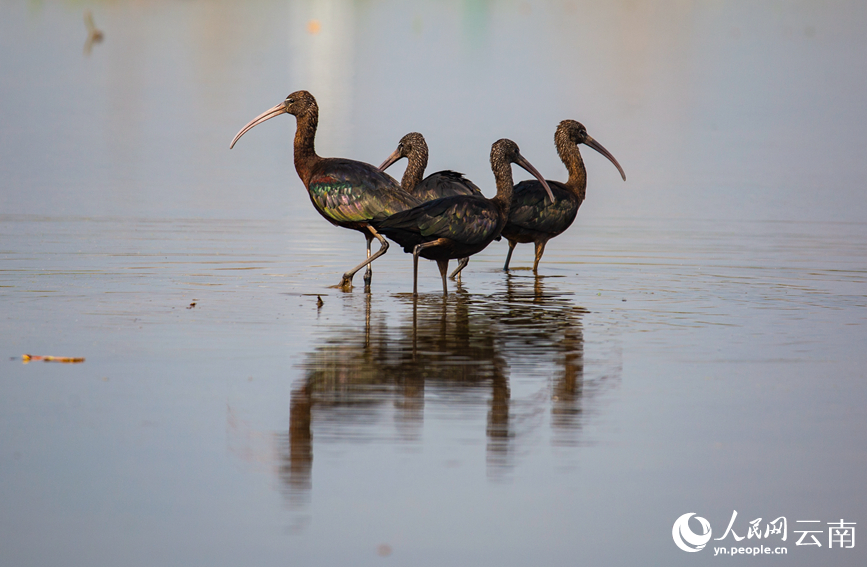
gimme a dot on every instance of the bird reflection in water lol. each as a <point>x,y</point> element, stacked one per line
<point>540,329</point>
<point>451,353</point>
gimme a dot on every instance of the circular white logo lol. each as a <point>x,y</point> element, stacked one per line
<point>685,538</point>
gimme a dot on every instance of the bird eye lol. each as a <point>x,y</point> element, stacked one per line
<point>290,100</point>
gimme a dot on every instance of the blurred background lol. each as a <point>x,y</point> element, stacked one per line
<point>717,110</point>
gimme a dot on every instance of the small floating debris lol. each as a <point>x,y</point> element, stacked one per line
<point>94,35</point>
<point>319,302</point>
<point>25,358</point>
<point>193,304</point>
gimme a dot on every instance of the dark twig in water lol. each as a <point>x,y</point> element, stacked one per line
<point>25,358</point>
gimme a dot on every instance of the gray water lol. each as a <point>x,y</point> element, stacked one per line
<point>693,344</point>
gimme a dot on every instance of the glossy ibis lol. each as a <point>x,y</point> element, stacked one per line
<point>461,225</point>
<point>347,193</point>
<point>533,218</point>
<point>437,185</point>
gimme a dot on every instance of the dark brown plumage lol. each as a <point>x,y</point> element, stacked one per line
<point>437,185</point>
<point>461,225</point>
<point>347,193</point>
<point>533,217</point>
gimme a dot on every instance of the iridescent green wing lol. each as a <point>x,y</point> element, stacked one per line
<point>462,218</point>
<point>350,191</point>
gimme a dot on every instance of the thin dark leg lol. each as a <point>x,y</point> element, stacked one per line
<point>346,282</point>
<point>540,249</point>
<point>462,263</point>
<point>512,244</point>
<point>416,251</point>
<point>368,273</point>
<point>443,265</point>
<point>414,326</point>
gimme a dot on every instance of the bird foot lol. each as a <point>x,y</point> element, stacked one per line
<point>462,263</point>
<point>345,283</point>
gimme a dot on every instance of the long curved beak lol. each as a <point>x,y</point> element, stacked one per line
<point>267,115</point>
<point>598,147</point>
<point>522,161</point>
<point>391,159</point>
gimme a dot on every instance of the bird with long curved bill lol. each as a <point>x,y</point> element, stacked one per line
<point>534,217</point>
<point>437,185</point>
<point>461,225</point>
<point>348,193</point>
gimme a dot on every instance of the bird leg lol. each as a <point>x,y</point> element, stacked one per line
<point>540,249</point>
<point>346,282</point>
<point>512,244</point>
<point>368,273</point>
<point>416,251</point>
<point>462,263</point>
<point>443,265</point>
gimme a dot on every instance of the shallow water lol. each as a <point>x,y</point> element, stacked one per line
<point>694,343</point>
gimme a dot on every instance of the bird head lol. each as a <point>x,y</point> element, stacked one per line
<point>505,152</point>
<point>298,104</point>
<point>411,144</point>
<point>577,134</point>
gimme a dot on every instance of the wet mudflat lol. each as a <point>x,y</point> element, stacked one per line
<point>694,343</point>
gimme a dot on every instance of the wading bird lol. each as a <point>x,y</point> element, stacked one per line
<point>437,185</point>
<point>462,225</point>
<point>533,218</point>
<point>347,193</point>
